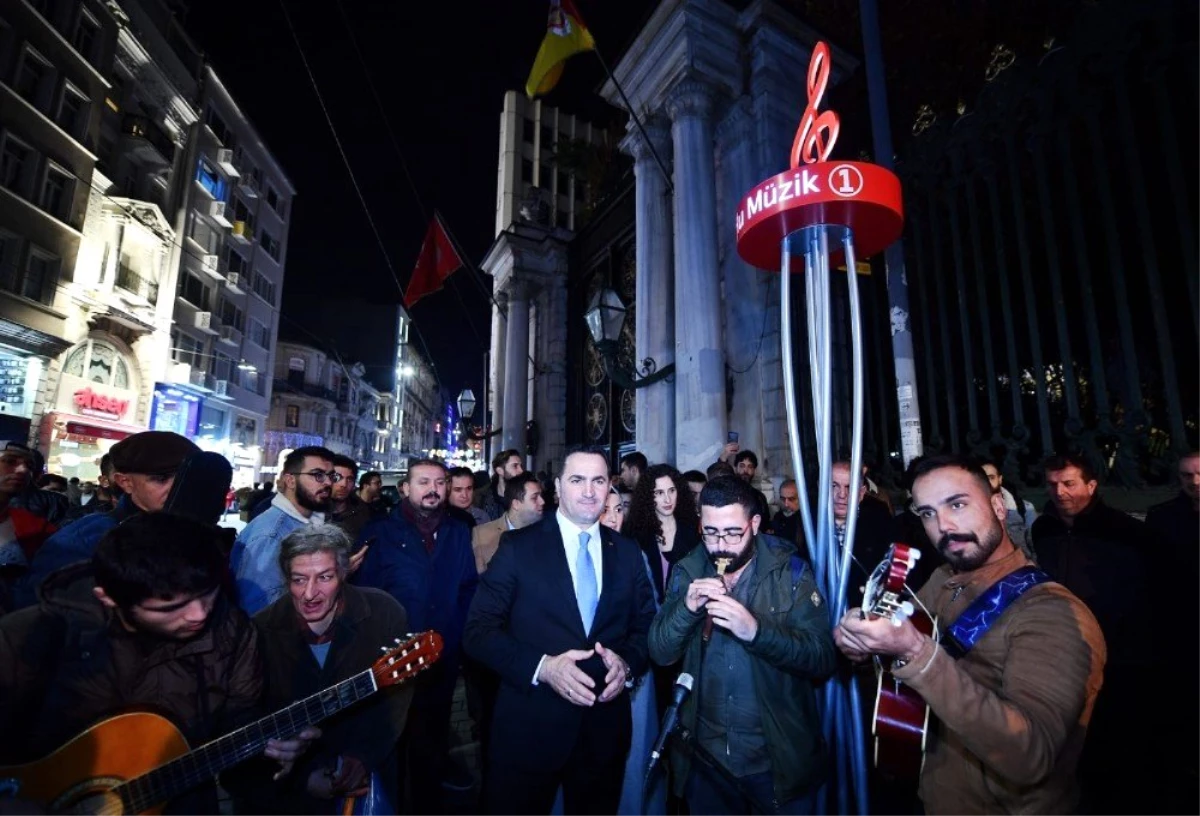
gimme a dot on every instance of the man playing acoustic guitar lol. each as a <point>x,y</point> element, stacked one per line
<point>1014,677</point>
<point>145,624</point>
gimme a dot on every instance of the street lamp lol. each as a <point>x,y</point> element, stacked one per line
<point>466,404</point>
<point>466,409</point>
<point>604,317</point>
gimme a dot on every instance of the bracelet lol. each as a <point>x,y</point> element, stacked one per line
<point>931,657</point>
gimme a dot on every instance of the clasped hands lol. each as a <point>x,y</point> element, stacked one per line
<point>562,673</point>
<point>712,595</point>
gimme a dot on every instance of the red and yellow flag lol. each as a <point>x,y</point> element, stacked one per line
<point>566,36</point>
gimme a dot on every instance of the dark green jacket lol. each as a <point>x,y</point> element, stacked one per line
<point>792,651</point>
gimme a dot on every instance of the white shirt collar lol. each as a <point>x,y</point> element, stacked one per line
<point>571,530</point>
<point>281,501</point>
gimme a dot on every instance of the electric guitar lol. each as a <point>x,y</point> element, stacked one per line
<point>901,720</point>
<point>135,763</point>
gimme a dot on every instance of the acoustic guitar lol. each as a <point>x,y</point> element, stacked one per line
<point>901,720</point>
<point>137,762</point>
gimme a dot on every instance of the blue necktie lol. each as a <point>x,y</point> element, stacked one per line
<point>585,583</point>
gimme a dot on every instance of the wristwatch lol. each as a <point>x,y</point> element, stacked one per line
<point>630,680</point>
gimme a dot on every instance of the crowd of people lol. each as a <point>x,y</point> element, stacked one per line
<point>573,608</point>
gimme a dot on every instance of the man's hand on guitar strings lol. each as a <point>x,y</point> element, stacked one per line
<point>288,751</point>
<point>860,637</point>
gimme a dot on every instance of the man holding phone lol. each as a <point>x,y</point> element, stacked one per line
<point>745,464</point>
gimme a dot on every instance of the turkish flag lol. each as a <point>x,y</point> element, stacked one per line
<point>437,261</point>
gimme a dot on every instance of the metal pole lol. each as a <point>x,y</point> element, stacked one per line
<point>911,445</point>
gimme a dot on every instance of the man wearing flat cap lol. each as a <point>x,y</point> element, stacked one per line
<point>144,467</point>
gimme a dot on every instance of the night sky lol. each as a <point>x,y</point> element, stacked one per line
<point>441,70</point>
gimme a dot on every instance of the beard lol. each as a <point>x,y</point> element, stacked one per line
<point>736,560</point>
<point>967,561</point>
<point>310,501</point>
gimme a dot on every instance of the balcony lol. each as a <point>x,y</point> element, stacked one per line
<point>135,284</point>
<point>230,336</point>
<point>241,233</point>
<point>146,141</point>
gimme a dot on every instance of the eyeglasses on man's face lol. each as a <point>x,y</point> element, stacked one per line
<point>319,476</point>
<point>729,536</point>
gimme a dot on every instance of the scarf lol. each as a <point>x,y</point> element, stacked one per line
<point>427,525</point>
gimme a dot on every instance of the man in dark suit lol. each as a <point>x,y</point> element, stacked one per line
<point>562,615</point>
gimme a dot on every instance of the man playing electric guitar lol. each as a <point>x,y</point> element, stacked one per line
<point>146,624</point>
<point>1013,680</point>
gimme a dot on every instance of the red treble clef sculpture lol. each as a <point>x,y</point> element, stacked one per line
<point>817,132</point>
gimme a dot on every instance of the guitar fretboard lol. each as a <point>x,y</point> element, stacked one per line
<point>168,781</point>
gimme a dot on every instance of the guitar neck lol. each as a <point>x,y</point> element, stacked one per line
<point>168,781</point>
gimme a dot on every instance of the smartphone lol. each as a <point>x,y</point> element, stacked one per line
<point>733,436</point>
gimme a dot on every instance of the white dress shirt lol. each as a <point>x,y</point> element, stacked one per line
<point>570,538</point>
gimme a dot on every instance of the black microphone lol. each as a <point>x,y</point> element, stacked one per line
<point>670,720</point>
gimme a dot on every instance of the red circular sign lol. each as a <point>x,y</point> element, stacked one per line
<point>864,197</point>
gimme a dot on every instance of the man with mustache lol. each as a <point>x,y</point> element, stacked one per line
<point>1012,695</point>
<point>22,533</point>
<point>422,557</point>
<point>305,486</point>
<point>769,642</point>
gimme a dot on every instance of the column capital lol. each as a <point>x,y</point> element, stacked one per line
<point>691,98</point>
<point>636,145</point>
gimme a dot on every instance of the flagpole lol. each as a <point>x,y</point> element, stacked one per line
<point>636,119</point>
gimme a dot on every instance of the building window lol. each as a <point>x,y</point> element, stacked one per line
<point>57,191</point>
<point>98,362</point>
<point>41,276</point>
<point>526,171</point>
<point>220,366</point>
<point>292,417</point>
<point>527,131</point>
<point>264,288</point>
<point>212,181</point>
<point>231,315</point>
<point>34,76</point>
<point>193,290</point>
<point>16,165</point>
<point>269,244</point>
<point>260,335</point>
<point>547,139</point>
<point>217,124</point>
<point>234,262</point>
<point>87,34</point>
<point>72,111</point>
<point>186,349</point>
<point>242,213</point>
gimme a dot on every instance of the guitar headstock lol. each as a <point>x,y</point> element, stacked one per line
<point>407,658</point>
<point>883,596</point>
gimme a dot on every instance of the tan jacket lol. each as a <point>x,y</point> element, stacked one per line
<point>1011,715</point>
<point>485,538</point>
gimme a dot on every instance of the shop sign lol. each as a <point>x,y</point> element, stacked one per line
<point>79,396</point>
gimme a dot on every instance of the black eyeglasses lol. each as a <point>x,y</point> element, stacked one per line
<point>723,536</point>
<point>320,476</point>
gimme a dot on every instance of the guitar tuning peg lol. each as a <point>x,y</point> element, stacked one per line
<point>383,649</point>
<point>397,640</point>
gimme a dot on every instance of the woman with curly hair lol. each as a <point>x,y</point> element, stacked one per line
<point>663,520</point>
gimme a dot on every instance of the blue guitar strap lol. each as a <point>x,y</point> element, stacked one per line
<point>962,635</point>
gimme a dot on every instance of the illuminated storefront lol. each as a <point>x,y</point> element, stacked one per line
<point>94,408</point>
<point>20,376</point>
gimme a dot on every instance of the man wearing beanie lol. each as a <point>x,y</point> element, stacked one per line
<point>144,467</point>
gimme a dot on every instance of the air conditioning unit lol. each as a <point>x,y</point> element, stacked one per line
<point>225,160</point>
<point>204,320</point>
<point>216,211</point>
<point>233,278</point>
<point>210,265</point>
<point>221,388</point>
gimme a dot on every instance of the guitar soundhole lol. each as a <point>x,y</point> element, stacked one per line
<point>92,795</point>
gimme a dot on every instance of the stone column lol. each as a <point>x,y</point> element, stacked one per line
<point>655,329</point>
<point>700,421</point>
<point>496,370</point>
<point>516,367</point>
